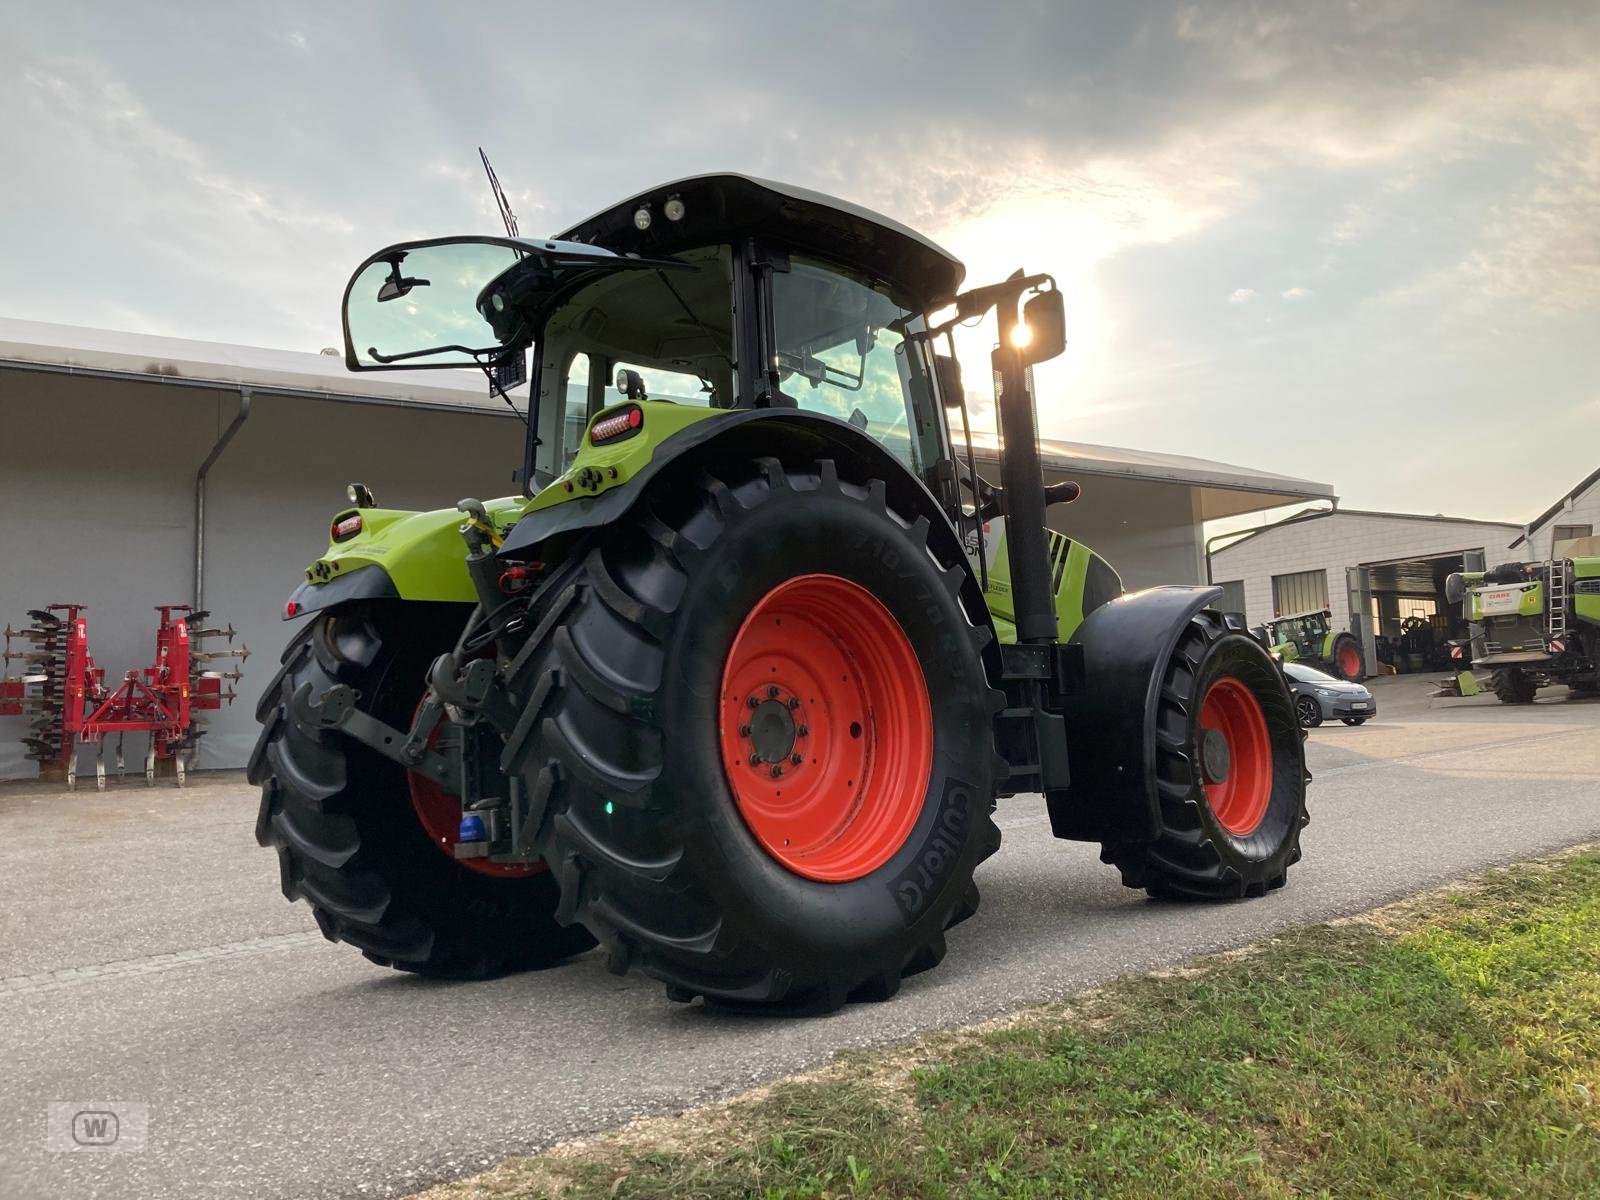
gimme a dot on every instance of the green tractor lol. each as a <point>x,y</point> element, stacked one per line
<point>732,687</point>
<point>1533,624</point>
<point>1310,638</point>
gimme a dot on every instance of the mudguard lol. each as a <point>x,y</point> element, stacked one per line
<point>363,583</point>
<point>752,433</point>
<point>1111,731</point>
<point>748,434</point>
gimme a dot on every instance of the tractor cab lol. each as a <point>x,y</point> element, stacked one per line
<point>706,296</point>
<point>1300,635</point>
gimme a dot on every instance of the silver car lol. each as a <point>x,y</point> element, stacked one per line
<point>1319,697</point>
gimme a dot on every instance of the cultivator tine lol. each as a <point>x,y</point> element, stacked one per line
<point>43,617</point>
<point>242,653</point>
<point>230,633</point>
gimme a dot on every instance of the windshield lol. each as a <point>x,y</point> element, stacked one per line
<point>1306,674</point>
<point>841,350</point>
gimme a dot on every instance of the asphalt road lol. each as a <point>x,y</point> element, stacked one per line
<point>146,956</point>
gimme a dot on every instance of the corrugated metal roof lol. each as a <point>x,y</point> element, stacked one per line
<point>72,347</point>
<point>1227,489</point>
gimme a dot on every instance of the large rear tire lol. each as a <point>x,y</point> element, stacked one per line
<point>348,828</point>
<point>1230,773</point>
<point>1514,686</point>
<point>735,623</point>
<point>1345,660</point>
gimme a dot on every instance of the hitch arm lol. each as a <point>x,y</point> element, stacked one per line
<point>336,709</point>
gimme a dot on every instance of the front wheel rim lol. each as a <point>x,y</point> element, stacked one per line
<point>1238,780</point>
<point>825,728</point>
<point>1308,711</point>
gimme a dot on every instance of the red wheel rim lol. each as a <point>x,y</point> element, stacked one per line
<point>825,728</point>
<point>1238,782</point>
<point>440,814</point>
<point>1349,662</point>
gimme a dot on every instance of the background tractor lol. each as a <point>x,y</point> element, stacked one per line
<point>1310,637</point>
<point>733,686</point>
<point>1533,624</point>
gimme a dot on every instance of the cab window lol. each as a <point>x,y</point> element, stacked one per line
<point>841,350</point>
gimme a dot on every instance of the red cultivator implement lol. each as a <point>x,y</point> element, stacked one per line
<point>64,697</point>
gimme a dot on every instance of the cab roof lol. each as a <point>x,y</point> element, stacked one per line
<point>730,208</point>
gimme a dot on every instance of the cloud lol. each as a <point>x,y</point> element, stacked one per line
<point>1241,295</point>
<point>1295,293</point>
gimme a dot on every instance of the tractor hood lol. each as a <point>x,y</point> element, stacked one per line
<point>466,301</point>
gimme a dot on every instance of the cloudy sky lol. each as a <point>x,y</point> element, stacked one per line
<point>1358,242</point>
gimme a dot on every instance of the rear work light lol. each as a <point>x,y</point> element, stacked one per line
<point>617,427</point>
<point>346,528</point>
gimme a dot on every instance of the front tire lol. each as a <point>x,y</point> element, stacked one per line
<point>683,848</point>
<point>1514,686</point>
<point>1307,712</point>
<point>1354,720</point>
<point>1230,773</point>
<point>348,832</point>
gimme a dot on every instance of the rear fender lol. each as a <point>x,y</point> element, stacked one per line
<point>785,433</point>
<point>396,555</point>
<point>1125,646</point>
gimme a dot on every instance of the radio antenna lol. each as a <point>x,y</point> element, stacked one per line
<point>506,215</point>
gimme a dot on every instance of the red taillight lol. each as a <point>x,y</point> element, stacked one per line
<point>346,527</point>
<point>290,609</point>
<point>616,426</point>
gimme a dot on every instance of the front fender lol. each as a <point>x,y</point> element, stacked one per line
<point>1110,721</point>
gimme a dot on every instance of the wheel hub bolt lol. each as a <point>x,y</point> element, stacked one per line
<point>777,771</point>
<point>753,702</point>
<point>744,731</point>
<point>796,759</point>
<point>794,701</point>
<point>802,731</point>
<point>755,760</point>
<point>772,693</point>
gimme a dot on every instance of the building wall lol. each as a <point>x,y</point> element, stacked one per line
<point>1585,510</point>
<point>1343,540</point>
<point>97,507</point>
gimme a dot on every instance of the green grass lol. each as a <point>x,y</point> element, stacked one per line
<point>1450,1048</point>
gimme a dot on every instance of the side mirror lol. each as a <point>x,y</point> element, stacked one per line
<point>1046,317</point>
<point>1455,588</point>
<point>948,370</point>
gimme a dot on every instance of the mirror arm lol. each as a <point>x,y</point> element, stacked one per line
<point>408,354</point>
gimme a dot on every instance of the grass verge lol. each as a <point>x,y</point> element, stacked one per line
<point>1446,1046</point>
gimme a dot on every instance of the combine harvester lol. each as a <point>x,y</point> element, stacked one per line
<point>1533,625</point>
<point>64,697</point>
<point>722,690</point>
